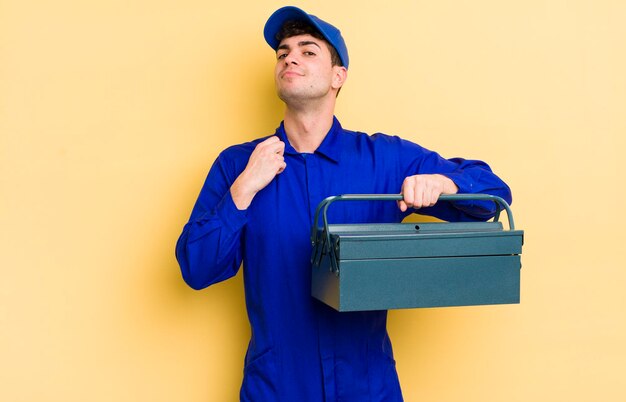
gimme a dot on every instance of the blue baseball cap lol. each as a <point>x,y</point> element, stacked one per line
<point>328,31</point>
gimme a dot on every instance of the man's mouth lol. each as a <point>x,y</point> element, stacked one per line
<point>290,73</point>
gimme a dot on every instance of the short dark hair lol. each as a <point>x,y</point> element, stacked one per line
<point>298,27</point>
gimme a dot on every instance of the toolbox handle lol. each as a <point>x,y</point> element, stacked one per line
<point>320,249</point>
<point>499,201</point>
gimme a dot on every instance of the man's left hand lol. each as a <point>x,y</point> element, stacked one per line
<point>423,190</point>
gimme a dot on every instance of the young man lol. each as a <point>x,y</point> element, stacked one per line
<point>257,207</point>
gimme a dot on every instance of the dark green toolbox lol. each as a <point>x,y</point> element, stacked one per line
<point>360,267</point>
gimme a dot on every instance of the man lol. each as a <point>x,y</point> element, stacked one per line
<point>257,207</point>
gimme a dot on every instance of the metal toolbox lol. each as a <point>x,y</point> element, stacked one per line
<point>360,267</point>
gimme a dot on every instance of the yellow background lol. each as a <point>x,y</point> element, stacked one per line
<point>111,113</point>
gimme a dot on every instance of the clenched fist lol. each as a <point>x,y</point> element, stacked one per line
<point>266,161</point>
<point>423,190</point>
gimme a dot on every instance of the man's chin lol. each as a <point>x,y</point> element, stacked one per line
<point>298,96</point>
<point>291,96</point>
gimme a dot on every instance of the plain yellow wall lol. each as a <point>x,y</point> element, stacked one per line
<point>111,113</point>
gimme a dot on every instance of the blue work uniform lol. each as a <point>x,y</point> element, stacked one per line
<point>300,349</point>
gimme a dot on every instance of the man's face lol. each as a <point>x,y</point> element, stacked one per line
<point>304,69</point>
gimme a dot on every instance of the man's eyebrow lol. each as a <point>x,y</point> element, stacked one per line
<point>301,43</point>
<point>308,42</point>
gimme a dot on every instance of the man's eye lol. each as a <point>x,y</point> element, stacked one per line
<point>309,53</point>
<point>282,56</point>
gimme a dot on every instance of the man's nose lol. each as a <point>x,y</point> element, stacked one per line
<point>291,59</point>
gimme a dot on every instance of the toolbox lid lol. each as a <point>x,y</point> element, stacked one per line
<point>421,240</point>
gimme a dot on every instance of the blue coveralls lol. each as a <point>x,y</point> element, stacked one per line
<point>300,349</point>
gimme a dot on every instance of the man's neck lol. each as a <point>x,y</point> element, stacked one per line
<point>306,128</point>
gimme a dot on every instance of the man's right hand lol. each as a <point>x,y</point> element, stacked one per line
<point>266,161</point>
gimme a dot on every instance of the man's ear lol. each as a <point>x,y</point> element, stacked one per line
<point>340,75</point>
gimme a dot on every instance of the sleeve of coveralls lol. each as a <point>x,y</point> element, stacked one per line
<point>209,249</point>
<point>470,176</point>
